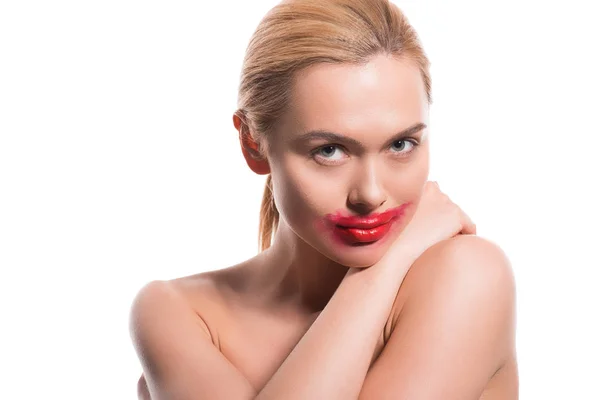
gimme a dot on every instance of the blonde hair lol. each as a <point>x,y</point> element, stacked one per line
<point>296,34</point>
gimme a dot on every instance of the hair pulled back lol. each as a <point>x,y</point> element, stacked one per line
<point>296,34</point>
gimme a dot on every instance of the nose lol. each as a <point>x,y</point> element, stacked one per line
<point>366,194</point>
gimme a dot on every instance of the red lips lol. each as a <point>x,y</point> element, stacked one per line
<point>364,229</point>
<point>367,222</point>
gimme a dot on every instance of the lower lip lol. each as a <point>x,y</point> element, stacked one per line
<point>357,236</point>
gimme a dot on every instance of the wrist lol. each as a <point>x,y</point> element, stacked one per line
<point>401,255</point>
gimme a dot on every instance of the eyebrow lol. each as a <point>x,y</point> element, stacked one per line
<point>336,137</point>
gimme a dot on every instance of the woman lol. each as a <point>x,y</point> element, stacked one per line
<point>375,285</point>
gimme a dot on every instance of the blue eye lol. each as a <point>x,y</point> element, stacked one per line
<point>403,145</point>
<point>332,154</point>
<point>328,151</point>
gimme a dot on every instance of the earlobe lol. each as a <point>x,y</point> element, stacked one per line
<point>255,161</point>
<point>250,148</point>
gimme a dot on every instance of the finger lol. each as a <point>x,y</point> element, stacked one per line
<point>469,227</point>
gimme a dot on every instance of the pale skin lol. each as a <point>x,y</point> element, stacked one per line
<point>441,323</point>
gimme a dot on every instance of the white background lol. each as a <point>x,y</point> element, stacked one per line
<point>118,156</point>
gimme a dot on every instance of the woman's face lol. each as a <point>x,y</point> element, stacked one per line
<point>320,178</point>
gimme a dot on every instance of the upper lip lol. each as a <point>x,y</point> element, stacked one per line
<point>368,221</point>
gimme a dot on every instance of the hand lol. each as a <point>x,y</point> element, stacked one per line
<point>437,218</point>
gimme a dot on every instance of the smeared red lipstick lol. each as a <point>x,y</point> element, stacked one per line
<point>353,229</point>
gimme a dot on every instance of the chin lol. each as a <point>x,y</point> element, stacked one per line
<point>362,259</point>
<point>355,256</point>
<point>350,249</point>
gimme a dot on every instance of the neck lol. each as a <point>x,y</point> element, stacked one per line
<point>293,273</point>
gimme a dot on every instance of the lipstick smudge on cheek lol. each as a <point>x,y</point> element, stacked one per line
<point>325,228</point>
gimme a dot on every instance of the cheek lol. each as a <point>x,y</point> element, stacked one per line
<point>408,181</point>
<point>408,186</point>
<point>305,199</point>
<point>301,195</point>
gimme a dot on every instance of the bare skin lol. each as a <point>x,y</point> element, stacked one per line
<point>257,338</point>
<point>257,311</point>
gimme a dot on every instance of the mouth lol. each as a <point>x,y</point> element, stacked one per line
<point>370,221</point>
<point>364,230</point>
<point>361,236</point>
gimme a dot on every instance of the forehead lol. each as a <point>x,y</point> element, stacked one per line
<point>384,95</point>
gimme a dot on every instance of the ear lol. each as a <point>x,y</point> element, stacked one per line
<point>250,148</point>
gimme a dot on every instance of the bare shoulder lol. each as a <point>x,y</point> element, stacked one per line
<point>158,294</point>
<point>472,261</point>
<point>473,270</point>
<point>471,257</point>
<point>453,333</point>
<point>196,295</point>
<point>178,349</point>
<point>204,293</point>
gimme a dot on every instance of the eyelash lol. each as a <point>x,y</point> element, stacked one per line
<point>415,143</point>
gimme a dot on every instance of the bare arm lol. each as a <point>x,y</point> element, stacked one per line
<point>179,359</point>
<point>456,330</point>
<point>142,389</point>
<point>180,362</point>
<point>332,358</point>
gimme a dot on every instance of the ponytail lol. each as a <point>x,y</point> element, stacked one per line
<point>269,217</point>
